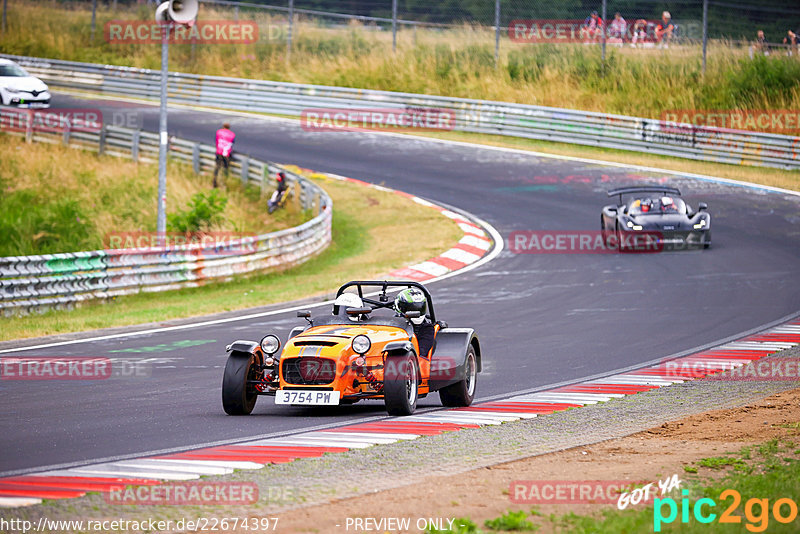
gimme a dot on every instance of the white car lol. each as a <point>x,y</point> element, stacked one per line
<point>18,88</point>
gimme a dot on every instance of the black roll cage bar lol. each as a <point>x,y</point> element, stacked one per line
<point>383,285</point>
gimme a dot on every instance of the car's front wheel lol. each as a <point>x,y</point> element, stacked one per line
<point>461,393</point>
<point>401,385</point>
<point>239,397</point>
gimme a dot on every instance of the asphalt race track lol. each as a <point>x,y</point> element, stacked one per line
<point>541,318</point>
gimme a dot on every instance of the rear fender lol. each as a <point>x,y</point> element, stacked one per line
<point>448,364</point>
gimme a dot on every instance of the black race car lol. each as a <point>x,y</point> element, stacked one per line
<point>659,215</point>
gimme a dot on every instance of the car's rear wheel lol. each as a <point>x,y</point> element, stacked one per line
<point>461,393</point>
<point>401,385</point>
<point>606,235</point>
<point>239,397</point>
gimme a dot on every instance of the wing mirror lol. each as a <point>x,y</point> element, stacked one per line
<point>411,314</point>
<point>305,314</point>
<point>702,206</point>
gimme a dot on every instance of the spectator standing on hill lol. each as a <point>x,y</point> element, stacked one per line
<point>791,40</point>
<point>639,32</point>
<point>591,28</point>
<point>617,29</point>
<point>761,46</point>
<point>224,142</point>
<point>664,30</point>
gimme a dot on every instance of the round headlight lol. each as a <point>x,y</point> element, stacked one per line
<point>270,344</point>
<point>361,344</point>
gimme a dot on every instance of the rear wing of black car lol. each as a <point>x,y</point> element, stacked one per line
<point>643,189</point>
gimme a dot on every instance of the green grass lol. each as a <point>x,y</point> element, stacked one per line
<point>461,525</point>
<point>719,462</point>
<point>457,62</point>
<point>511,521</point>
<point>56,199</point>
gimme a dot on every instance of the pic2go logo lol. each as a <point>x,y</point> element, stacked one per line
<point>756,511</point>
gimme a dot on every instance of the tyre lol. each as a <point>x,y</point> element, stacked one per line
<point>605,233</point>
<point>620,243</point>
<point>239,397</point>
<point>401,385</point>
<point>461,393</point>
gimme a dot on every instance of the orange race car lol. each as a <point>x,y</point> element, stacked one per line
<point>371,347</point>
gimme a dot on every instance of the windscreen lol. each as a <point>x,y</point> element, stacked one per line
<point>12,71</point>
<point>658,205</point>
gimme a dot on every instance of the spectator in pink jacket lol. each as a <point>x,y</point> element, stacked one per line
<point>224,143</point>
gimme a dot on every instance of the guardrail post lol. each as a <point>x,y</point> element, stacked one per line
<point>264,177</point>
<point>101,143</point>
<point>135,145</point>
<point>196,158</point>
<point>65,138</point>
<point>245,169</point>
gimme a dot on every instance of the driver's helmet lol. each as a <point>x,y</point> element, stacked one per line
<point>667,203</point>
<point>646,205</point>
<point>412,299</point>
<point>347,300</point>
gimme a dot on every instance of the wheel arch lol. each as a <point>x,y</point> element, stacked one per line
<point>449,358</point>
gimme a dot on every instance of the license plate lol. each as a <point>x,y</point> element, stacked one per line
<point>307,398</point>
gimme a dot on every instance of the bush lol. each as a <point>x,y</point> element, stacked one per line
<point>204,211</point>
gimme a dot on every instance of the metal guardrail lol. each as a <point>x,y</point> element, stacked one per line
<point>29,283</point>
<point>480,116</point>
